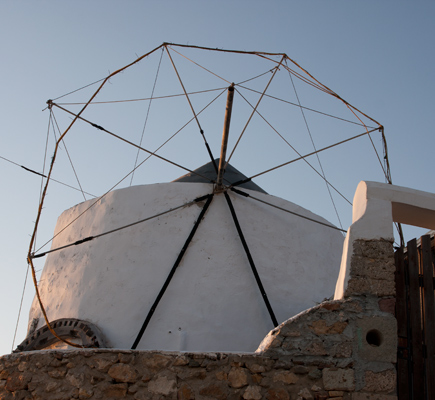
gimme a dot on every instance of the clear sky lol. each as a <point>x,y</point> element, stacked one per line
<point>379,56</point>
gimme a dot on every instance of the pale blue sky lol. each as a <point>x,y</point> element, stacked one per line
<point>378,55</point>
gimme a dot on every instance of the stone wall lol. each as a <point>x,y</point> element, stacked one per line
<point>342,349</point>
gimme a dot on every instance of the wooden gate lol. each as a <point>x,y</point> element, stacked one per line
<point>415,312</point>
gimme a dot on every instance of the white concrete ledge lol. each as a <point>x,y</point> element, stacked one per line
<point>375,207</point>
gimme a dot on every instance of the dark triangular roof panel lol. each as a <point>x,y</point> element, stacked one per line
<point>231,175</point>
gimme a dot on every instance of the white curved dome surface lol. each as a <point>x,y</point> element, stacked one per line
<point>213,302</point>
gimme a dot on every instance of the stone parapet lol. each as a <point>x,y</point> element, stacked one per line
<point>339,350</point>
<point>335,350</point>
<point>354,343</point>
<point>114,374</point>
<point>372,269</point>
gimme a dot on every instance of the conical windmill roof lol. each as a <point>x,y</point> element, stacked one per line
<point>232,175</point>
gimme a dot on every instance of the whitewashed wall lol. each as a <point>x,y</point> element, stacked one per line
<point>213,302</point>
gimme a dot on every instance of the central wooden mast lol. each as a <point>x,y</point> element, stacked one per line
<point>225,134</point>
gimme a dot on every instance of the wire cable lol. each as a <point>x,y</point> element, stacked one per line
<point>41,203</point>
<point>193,111</point>
<point>131,143</point>
<point>69,157</point>
<point>44,176</point>
<point>297,152</point>
<point>146,118</point>
<point>19,310</point>
<point>187,58</point>
<point>317,154</point>
<point>253,112</point>
<point>145,98</point>
<point>305,108</point>
<point>373,145</point>
<point>89,238</point>
<point>83,87</point>
<point>255,77</point>
<point>299,158</point>
<point>126,176</point>
<point>244,194</point>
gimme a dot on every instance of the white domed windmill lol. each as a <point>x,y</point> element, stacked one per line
<point>208,261</point>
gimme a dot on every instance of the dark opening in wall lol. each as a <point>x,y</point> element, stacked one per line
<point>374,338</point>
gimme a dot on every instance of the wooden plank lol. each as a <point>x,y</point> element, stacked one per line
<point>429,314</point>
<point>416,323</point>
<point>403,372</point>
<point>401,306</point>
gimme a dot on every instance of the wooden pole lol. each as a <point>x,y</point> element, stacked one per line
<point>225,135</point>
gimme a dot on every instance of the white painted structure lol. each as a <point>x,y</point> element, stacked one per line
<point>375,207</point>
<point>213,302</point>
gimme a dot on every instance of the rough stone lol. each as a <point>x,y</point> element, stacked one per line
<point>122,373</point>
<point>22,366</point>
<point>16,381</point>
<point>316,349</point>
<point>126,358</point>
<point>255,368</point>
<point>300,370</point>
<point>336,393</point>
<point>338,379</point>
<point>51,386</point>
<point>75,379</point>
<point>189,374</point>
<point>305,394</point>
<point>372,396</point>
<point>146,375</point>
<point>4,373</point>
<point>117,390</point>
<point>238,377</point>
<point>143,395</point>
<point>252,393</point>
<point>385,331</point>
<point>286,377</point>
<point>277,394</point>
<point>103,364</point>
<point>180,360</point>
<point>22,395</point>
<point>157,361</point>
<point>361,285</point>
<point>221,376</point>
<point>57,373</point>
<point>320,327</point>
<point>85,394</point>
<point>287,330</point>
<point>331,305</point>
<point>380,382</point>
<point>284,363</point>
<point>214,391</point>
<point>372,269</point>
<point>185,393</point>
<point>162,385</point>
<point>315,374</point>
<point>343,350</point>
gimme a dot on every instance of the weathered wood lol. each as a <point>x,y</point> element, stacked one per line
<point>429,314</point>
<point>416,323</point>
<point>401,295</point>
<point>403,372</point>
